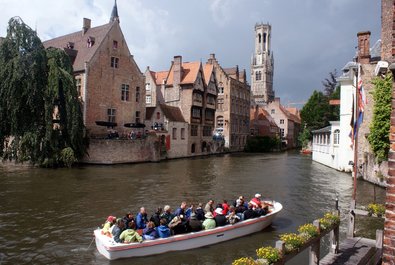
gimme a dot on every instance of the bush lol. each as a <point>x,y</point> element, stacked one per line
<point>292,241</point>
<point>67,157</point>
<point>261,144</point>
<point>378,209</point>
<point>308,231</point>
<point>245,261</point>
<point>329,220</point>
<point>270,254</point>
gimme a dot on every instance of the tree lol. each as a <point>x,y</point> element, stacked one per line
<point>315,113</point>
<point>330,83</point>
<point>380,126</point>
<point>36,85</point>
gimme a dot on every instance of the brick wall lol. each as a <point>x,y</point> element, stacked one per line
<point>388,45</point>
<point>114,151</point>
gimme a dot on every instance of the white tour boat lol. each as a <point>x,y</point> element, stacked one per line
<point>112,250</point>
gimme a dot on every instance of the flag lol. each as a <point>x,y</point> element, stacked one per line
<point>362,100</point>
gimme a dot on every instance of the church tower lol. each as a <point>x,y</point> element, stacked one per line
<point>262,66</point>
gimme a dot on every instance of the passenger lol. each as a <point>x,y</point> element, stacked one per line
<point>225,207</point>
<point>168,215</point>
<point>189,211</point>
<point>209,208</point>
<point>219,206</point>
<point>240,208</point>
<point>199,212</point>
<point>150,233</point>
<point>106,230</point>
<point>181,209</point>
<point>250,213</point>
<point>141,219</point>
<point>130,235</point>
<point>178,225</point>
<point>209,223</point>
<point>220,219</point>
<point>163,230</point>
<point>232,217</point>
<point>128,217</point>
<point>156,217</point>
<point>194,225</point>
<point>117,230</point>
<point>239,201</point>
<point>256,202</point>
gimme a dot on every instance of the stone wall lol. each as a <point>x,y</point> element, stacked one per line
<point>112,151</point>
<point>387,24</point>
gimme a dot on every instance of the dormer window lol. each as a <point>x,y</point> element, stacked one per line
<point>115,44</point>
<point>90,42</point>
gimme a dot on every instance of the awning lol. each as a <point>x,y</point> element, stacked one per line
<point>134,125</point>
<point>106,123</point>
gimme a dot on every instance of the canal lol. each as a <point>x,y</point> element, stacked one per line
<point>48,216</point>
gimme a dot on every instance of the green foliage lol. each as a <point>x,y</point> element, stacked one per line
<point>261,144</point>
<point>270,254</point>
<point>380,126</point>
<point>292,241</point>
<point>36,83</point>
<point>329,220</point>
<point>377,209</point>
<point>245,261</point>
<point>308,231</point>
<point>304,137</point>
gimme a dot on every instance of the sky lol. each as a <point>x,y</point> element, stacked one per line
<point>310,38</point>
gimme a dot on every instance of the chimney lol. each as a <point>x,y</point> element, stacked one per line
<point>364,47</point>
<point>211,59</point>
<point>86,25</point>
<point>177,70</point>
<point>237,73</point>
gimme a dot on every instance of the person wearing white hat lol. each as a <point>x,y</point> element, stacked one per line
<point>209,223</point>
<point>256,202</point>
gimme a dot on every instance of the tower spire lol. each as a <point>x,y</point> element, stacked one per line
<point>114,13</point>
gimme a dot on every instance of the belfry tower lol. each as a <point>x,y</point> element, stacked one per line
<point>262,66</point>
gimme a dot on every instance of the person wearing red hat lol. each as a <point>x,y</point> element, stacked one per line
<point>107,225</point>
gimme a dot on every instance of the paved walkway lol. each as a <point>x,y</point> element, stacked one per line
<point>354,251</point>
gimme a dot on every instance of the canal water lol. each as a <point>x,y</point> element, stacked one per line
<point>48,216</point>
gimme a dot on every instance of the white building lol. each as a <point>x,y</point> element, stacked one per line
<point>332,145</point>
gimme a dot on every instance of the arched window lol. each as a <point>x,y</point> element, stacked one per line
<point>264,37</point>
<point>336,136</point>
<point>193,148</point>
<point>259,38</point>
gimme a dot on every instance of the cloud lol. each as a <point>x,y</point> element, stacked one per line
<point>222,11</point>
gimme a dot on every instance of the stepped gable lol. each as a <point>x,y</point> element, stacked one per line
<point>79,42</point>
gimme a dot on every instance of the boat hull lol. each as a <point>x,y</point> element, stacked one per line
<point>111,250</point>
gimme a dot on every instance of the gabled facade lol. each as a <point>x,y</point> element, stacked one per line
<point>109,82</point>
<point>233,103</point>
<point>154,87</point>
<point>262,124</point>
<point>171,128</point>
<point>192,88</point>
<point>288,123</point>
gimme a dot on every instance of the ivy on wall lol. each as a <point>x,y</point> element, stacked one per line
<point>380,126</point>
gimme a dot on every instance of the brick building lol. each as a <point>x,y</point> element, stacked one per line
<point>262,124</point>
<point>288,123</point>
<point>109,82</point>
<point>388,54</point>
<point>232,114</point>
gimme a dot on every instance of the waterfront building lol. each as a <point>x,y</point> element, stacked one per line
<point>288,123</point>
<point>232,113</point>
<point>109,82</point>
<point>191,87</point>
<point>171,128</point>
<point>262,66</point>
<point>262,124</point>
<point>154,87</point>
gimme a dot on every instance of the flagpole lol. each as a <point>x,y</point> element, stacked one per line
<point>356,113</point>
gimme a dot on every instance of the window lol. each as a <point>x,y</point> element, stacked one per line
<point>194,130</point>
<point>174,133</point>
<point>209,115</point>
<point>182,133</point>
<point>210,100</point>
<point>137,94</point>
<point>196,113</point>
<point>264,37</point>
<point>114,62</point>
<point>259,38</point>
<point>115,44</point>
<point>282,133</point>
<point>148,99</point>
<point>258,75</point>
<point>220,104</point>
<point>272,111</point>
<point>124,92</point>
<point>137,116</point>
<point>158,115</point>
<point>336,137</point>
<point>207,131</point>
<point>111,115</point>
<point>220,90</point>
<point>148,87</point>
<point>78,85</point>
<point>193,148</point>
<point>281,121</point>
<point>220,122</point>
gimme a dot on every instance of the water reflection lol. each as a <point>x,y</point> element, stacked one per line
<point>47,216</point>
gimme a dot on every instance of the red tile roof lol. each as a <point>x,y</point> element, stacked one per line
<point>189,73</point>
<point>160,77</point>
<point>207,72</point>
<point>84,53</point>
